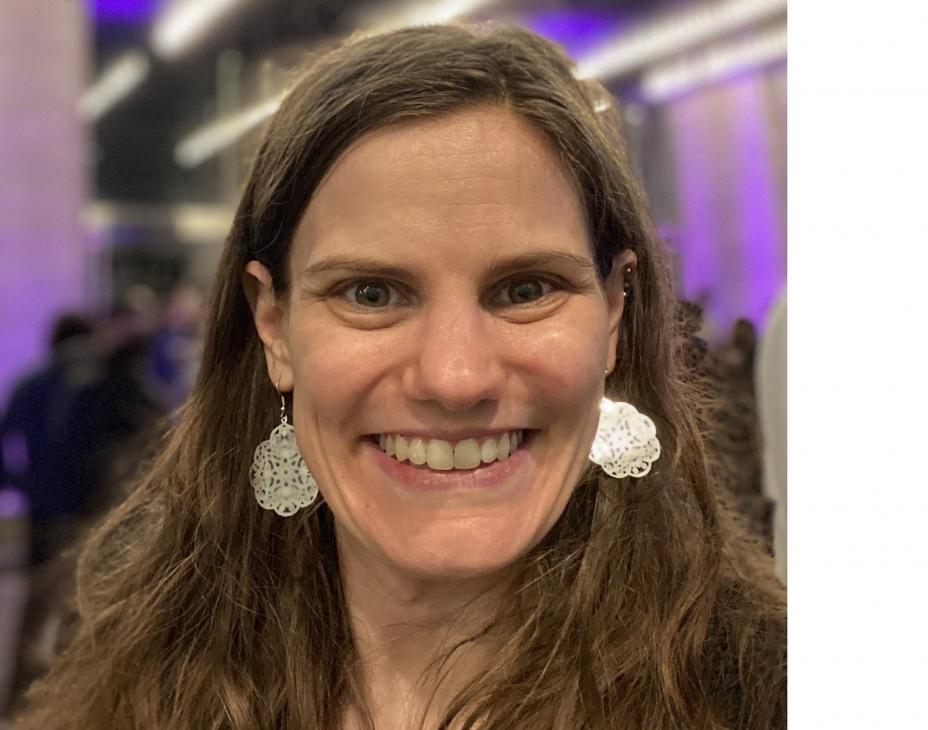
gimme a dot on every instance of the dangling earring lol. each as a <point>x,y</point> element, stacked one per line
<point>279,475</point>
<point>626,442</point>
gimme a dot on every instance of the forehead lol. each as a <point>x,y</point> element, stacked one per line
<point>474,174</point>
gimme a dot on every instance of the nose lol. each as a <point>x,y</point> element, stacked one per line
<point>458,362</point>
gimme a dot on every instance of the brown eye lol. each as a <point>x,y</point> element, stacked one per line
<point>371,294</point>
<point>526,291</point>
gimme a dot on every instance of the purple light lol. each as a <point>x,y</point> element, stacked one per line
<point>697,226</point>
<point>578,31</point>
<point>756,211</point>
<point>13,504</point>
<point>123,11</point>
<point>730,212</point>
<point>44,185</point>
<point>15,453</point>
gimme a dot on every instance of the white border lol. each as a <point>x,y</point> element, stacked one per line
<point>858,203</point>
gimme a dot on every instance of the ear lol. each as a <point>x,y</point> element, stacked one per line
<point>270,315</point>
<point>615,297</point>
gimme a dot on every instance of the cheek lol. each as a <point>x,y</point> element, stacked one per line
<point>333,375</point>
<point>566,362</point>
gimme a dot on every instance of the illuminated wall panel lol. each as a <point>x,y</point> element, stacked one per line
<point>43,52</point>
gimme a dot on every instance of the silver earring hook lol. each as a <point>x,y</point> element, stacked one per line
<point>283,403</point>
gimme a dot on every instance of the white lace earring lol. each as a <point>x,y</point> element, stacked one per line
<point>279,475</point>
<point>626,441</point>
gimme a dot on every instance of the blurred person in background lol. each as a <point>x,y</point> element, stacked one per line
<point>177,345</point>
<point>93,413</point>
<point>730,413</point>
<point>34,434</point>
<point>111,419</point>
<point>691,348</point>
<point>440,265</point>
<point>33,444</point>
<point>734,437</point>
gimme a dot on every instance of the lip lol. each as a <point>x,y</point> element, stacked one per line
<point>495,475</point>
<point>451,436</point>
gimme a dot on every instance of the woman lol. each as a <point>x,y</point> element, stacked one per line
<point>441,247</point>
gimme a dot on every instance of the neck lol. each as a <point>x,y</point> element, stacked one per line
<point>403,624</point>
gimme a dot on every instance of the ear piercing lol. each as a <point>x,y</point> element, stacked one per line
<point>626,286</point>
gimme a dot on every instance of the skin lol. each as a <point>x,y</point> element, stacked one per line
<point>447,205</point>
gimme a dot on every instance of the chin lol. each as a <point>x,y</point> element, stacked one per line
<point>462,558</point>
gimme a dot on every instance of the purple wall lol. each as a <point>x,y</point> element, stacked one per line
<point>42,65</point>
<point>729,164</point>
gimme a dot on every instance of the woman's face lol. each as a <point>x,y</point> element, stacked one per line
<point>443,298</point>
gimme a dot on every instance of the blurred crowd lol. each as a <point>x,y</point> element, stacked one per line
<point>74,429</point>
<point>73,423</point>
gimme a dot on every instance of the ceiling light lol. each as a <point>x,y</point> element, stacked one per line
<point>192,222</point>
<point>216,136</point>
<point>206,142</point>
<point>184,22</point>
<point>674,34</point>
<point>118,81</point>
<point>715,63</point>
<point>420,13</point>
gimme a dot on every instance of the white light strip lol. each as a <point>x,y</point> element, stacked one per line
<point>192,222</point>
<point>119,80</point>
<point>669,79</point>
<point>207,141</point>
<point>184,22</point>
<point>655,41</point>
<point>421,13</point>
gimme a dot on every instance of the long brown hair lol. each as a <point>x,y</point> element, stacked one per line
<point>643,607</point>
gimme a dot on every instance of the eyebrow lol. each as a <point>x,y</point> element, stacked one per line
<point>375,267</point>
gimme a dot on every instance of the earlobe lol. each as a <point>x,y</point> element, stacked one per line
<point>270,317</point>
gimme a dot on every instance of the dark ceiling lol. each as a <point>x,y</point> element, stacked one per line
<point>134,142</point>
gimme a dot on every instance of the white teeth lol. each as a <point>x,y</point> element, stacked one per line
<point>502,447</point>
<point>466,454</point>
<point>417,451</point>
<point>439,455</point>
<point>442,455</point>
<point>402,448</point>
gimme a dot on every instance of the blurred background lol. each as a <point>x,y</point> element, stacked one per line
<point>126,130</point>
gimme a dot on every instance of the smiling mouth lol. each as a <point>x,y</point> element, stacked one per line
<point>441,455</point>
